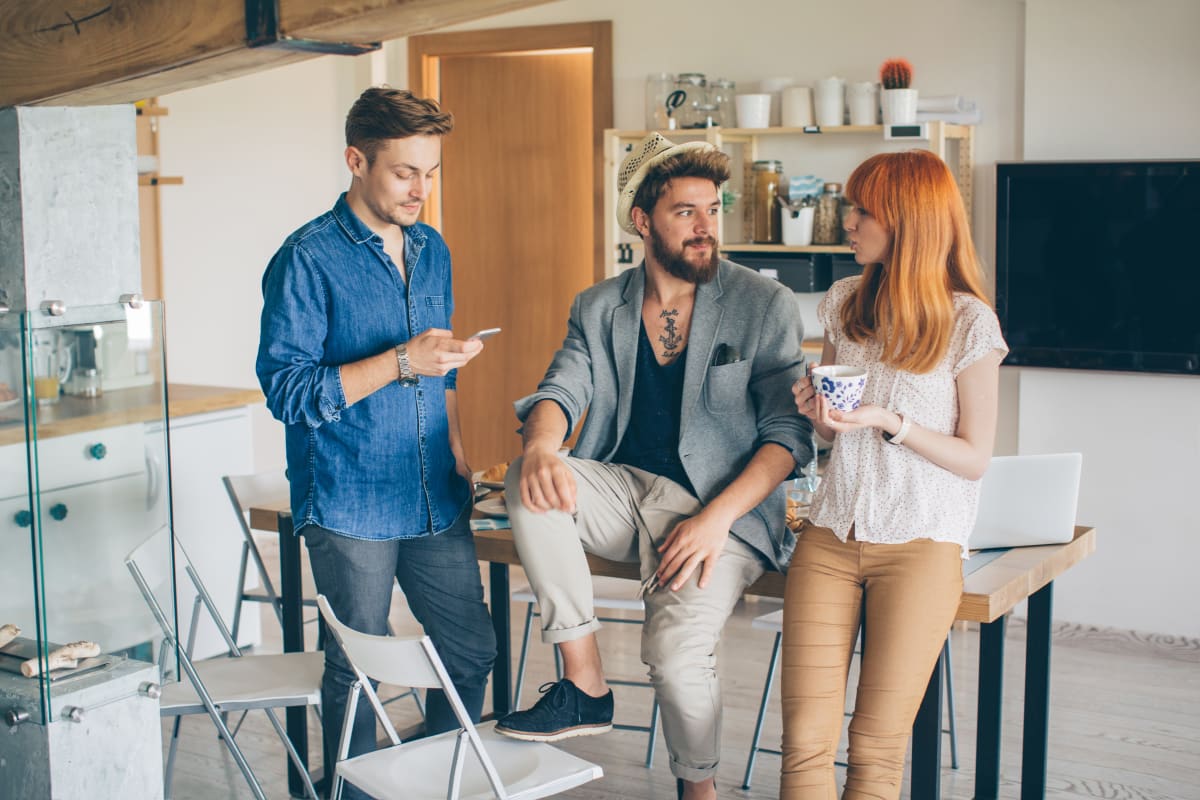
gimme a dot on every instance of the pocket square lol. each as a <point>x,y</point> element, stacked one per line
<point>725,355</point>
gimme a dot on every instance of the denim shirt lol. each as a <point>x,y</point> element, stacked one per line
<point>382,468</point>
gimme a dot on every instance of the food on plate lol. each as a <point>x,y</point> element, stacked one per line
<point>65,657</point>
<point>6,393</point>
<point>795,519</point>
<point>495,473</point>
<point>8,632</point>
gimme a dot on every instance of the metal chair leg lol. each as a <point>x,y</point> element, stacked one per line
<point>516,701</point>
<point>653,734</point>
<point>169,772</point>
<point>950,704</point>
<point>241,592</point>
<point>762,710</point>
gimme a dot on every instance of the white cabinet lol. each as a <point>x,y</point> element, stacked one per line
<point>98,498</point>
<point>203,448</point>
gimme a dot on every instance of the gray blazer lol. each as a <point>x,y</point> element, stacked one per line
<point>729,410</point>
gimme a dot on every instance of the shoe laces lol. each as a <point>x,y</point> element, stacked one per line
<point>555,694</point>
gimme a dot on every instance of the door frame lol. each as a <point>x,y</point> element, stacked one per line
<point>426,50</point>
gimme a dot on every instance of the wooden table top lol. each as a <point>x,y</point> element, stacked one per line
<point>989,592</point>
<point>122,407</point>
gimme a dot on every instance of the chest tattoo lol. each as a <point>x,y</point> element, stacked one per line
<point>670,339</point>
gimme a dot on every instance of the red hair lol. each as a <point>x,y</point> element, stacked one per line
<point>907,302</point>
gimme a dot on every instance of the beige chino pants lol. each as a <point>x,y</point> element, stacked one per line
<point>623,514</point>
<point>907,596</point>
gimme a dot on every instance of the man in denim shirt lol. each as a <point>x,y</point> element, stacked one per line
<point>357,360</point>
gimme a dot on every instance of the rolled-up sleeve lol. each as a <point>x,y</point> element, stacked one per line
<point>298,387</point>
<point>568,381</point>
<point>779,363</point>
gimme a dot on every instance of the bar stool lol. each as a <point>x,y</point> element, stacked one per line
<point>774,622</point>
<point>613,594</point>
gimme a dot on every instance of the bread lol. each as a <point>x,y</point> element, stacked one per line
<point>65,657</point>
<point>495,473</point>
<point>8,632</point>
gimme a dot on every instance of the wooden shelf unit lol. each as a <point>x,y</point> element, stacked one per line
<point>953,143</point>
<point>148,115</point>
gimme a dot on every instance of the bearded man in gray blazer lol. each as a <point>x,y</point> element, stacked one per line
<point>684,367</point>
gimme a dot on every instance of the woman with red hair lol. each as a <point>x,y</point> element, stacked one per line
<point>890,522</point>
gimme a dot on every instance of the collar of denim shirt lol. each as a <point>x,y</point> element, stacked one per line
<point>358,231</point>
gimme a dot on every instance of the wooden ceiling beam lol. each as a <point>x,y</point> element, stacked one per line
<point>86,52</point>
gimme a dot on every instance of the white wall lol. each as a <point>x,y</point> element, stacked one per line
<point>261,155</point>
<point>1108,79</point>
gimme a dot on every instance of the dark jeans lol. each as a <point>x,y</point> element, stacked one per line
<point>440,578</point>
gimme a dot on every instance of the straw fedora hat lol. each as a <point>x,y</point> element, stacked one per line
<point>652,150</point>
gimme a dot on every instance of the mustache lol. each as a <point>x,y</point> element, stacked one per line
<point>699,240</point>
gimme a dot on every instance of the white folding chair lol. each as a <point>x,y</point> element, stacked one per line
<point>608,593</point>
<point>774,622</point>
<point>246,492</point>
<point>268,489</point>
<point>438,766</point>
<point>222,685</point>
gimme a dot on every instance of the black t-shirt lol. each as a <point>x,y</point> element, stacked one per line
<point>651,440</point>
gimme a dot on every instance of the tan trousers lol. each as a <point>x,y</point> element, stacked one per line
<point>623,513</point>
<point>907,596</point>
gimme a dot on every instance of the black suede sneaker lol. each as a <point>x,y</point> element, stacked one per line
<point>563,712</point>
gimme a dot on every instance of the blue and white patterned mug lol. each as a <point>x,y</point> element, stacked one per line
<point>841,386</point>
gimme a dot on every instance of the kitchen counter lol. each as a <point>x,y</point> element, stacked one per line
<point>122,407</point>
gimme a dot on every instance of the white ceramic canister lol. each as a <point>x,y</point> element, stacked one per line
<point>829,101</point>
<point>864,105</point>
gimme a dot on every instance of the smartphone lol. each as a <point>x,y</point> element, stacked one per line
<point>484,334</point>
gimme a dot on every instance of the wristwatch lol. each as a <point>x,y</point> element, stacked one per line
<point>407,376</point>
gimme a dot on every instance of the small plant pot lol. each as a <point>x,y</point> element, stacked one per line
<point>899,106</point>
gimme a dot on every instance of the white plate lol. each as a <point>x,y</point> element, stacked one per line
<point>492,507</point>
<point>9,403</point>
<point>475,476</point>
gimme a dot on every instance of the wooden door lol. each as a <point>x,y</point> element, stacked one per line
<point>518,205</point>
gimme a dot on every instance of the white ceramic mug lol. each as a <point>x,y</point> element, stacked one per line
<point>797,111</point>
<point>829,102</point>
<point>753,110</point>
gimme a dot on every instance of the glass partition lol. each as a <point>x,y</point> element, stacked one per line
<point>83,484</point>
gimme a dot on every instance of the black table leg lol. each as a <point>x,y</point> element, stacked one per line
<point>991,695</point>
<point>502,624</point>
<point>1037,695</point>
<point>291,599</point>
<point>927,738</point>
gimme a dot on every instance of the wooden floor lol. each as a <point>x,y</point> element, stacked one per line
<point>1124,723</point>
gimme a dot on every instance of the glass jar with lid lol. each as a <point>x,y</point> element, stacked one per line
<point>827,220</point>
<point>659,114</point>
<point>694,90</point>
<point>720,94</point>
<point>767,174</point>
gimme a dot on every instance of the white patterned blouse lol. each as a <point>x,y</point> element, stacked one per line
<point>889,493</point>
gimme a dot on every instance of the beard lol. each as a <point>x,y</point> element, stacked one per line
<point>675,262</point>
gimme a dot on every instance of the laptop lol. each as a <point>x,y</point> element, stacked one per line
<point>1028,500</point>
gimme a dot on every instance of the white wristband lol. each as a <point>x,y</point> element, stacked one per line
<point>898,436</point>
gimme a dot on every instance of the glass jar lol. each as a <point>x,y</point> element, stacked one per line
<point>721,93</point>
<point>659,86</point>
<point>767,175</point>
<point>827,220</point>
<point>694,89</point>
<point>707,116</point>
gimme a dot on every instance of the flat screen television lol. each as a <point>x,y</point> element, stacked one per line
<point>1096,267</point>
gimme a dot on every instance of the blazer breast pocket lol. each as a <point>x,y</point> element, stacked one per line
<point>726,387</point>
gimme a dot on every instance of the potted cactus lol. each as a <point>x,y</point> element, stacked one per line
<point>899,99</point>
